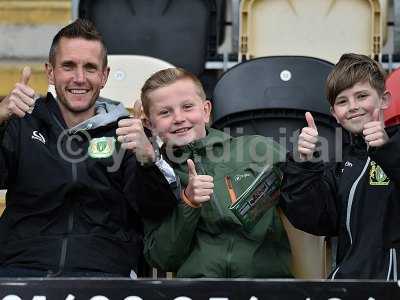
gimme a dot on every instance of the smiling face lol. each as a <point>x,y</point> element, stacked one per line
<point>177,113</point>
<point>78,74</point>
<point>355,106</point>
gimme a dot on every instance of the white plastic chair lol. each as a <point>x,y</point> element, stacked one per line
<point>127,75</point>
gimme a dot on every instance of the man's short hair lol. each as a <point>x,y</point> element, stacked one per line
<point>351,69</point>
<point>80,28</point>
<point>164,78</point>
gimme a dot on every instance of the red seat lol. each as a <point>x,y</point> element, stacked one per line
<point>392,113</point>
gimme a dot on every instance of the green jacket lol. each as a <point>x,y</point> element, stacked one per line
<point>210,241</point>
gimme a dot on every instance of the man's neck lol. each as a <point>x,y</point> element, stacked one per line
<point>72,119</point>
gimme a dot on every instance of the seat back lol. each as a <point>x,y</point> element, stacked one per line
<point>392,113</point>
<point>310,258</point>
<point>323,29</point>
<point>177,31</point>
<point>2,200</point>
<point>269,96</point>
<point>127,76</point>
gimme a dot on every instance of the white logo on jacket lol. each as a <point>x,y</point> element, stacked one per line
<point>36,135</point>
<point>348,164</point>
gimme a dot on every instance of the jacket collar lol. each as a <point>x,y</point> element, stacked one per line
<point>46,109</point>
<point>213,138</point>
<point>107,111</point>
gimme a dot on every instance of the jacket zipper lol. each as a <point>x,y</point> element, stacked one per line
<point>392,264</point>
<point>229,259</point>
<point>349,205</point>
<point>64,245</point>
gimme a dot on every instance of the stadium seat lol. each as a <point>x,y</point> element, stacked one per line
<point>323,29</point>
<point>392,114</point>
<point>2,200</point>
<point>269,96</point>
<point>310,254</point>
<point>179,31</point>
<point>127,75</point>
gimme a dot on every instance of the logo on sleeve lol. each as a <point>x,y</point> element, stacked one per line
<point>101,147</point>
<point>377,176</point>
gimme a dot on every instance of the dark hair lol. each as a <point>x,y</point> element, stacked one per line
<point>164,78</point>
<point>80,28</point>
<point>351,69</point>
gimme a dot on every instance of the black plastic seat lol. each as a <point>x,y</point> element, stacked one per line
<point>269,96</point>
<point>180,32</point>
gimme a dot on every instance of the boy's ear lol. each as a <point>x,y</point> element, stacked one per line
<point>386,99</point>
<point>334,114</point>
<point>207,107</point>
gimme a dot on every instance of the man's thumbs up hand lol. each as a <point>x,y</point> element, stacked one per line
<point>308,139</point>
<point>374,131</point>
<point>26,75</point>
<point>200,187</point>
<point>21,99</point>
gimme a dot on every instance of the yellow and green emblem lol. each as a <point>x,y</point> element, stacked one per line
<point>101,147</point>
<point>377,176</point>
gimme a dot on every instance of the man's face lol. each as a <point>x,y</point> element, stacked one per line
<point>177,114</point>
<point>78,73</point>
<point>355,106</point>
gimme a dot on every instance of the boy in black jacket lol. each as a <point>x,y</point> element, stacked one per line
<point>356,199</point>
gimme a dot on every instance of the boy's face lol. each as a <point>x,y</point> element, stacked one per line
<point>355,106</point>
<point>177,114</point>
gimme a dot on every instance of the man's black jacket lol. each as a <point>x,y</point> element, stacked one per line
<point>75,199</point>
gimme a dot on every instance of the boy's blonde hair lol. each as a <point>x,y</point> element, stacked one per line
<point>351,69</point>
<point>164,78</point>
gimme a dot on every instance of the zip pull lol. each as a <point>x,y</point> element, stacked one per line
<point>231,191</point>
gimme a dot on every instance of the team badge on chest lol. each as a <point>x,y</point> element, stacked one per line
<point>377,176</point>
<point>101,147</point>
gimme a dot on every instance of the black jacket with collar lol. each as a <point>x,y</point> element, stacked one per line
<point>354,200</point>
<point>70,209</point>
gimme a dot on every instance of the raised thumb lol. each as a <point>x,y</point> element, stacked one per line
<point>191,168</point>
<point>26,75</point>
<point>376,115</point>
<point>310,120</point>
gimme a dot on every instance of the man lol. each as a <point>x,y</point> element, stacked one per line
<point>75,196</point>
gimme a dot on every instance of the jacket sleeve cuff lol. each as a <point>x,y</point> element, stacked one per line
<point>188,201</point>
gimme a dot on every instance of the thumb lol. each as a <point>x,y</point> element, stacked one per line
<point>137,109</point>
<point>376,115</point>
<point>310,120</point>
<point>191,168</point>
<point>26,75</point>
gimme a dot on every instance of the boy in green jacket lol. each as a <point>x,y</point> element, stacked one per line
<point>202,237</point>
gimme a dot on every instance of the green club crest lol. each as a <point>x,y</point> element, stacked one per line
<point>101,147</point>
<point>377,176</point>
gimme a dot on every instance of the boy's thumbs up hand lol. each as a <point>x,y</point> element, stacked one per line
<point>310,120</point>
<point>374,131</point>
<point>191,168</point>
<point>308,139</point>
<point>200,187</point>
<point>21,99</point>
